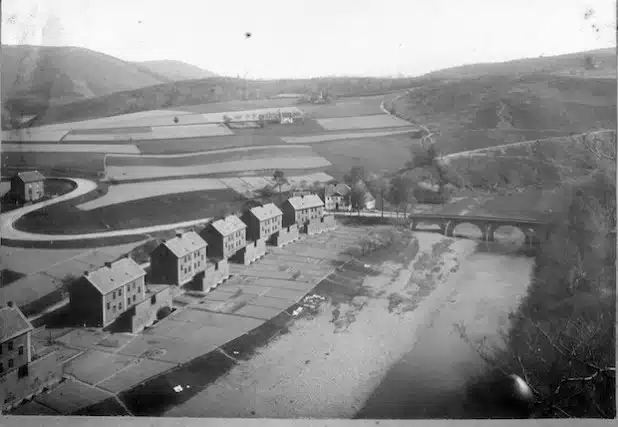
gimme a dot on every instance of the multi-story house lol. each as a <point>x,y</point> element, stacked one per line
<point>28,186</point>
<point>300,210</point>
<point>225,237</point>
<point>15,349</point>
<point>263,221</point>
<point>101,296</point>
<point>178,260</point>
<point>336,197</point>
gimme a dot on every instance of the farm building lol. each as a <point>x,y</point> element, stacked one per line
<point>336,197</point>
<point>15,330</point>
<point>263,221</point>
<point>176,261</point>
<point>28,186</point>
<point>225,237</point>
<point>98,298</point>
<point>299,210</point>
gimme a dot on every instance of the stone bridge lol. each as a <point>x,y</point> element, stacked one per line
<point>534,230</point>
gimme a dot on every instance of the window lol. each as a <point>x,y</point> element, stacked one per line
<point>108,306</point>
<point>20,350</point>
<point>153,299</point>
<point>10,345</point>
<point>11,363</point>
<point>119,291</point>
<point>114,308</point>
<point>1,367</point>
<point>120,306</point>
<point>139,289</point>
<point>114,295</point>
<point>134,298</point>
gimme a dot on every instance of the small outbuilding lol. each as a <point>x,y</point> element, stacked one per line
<point>28,186</point>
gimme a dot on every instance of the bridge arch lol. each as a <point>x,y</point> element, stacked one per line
<point>450,226</point>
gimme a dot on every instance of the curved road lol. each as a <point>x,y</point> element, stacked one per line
<point>83,186</point>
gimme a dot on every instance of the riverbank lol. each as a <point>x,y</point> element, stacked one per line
<point>329,362</point>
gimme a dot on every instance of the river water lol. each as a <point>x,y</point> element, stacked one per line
<point>430,380</point>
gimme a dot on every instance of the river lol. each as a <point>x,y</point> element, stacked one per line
<point>384,362</point>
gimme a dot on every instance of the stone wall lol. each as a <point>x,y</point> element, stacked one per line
<point>42,373</point>
<point>319,226</point>
<point>250,253</point>
<point>211,277</point>
<point>145,313</point>
<point>285,236</point>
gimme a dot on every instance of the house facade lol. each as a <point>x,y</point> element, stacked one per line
<point>101,296</point>
<point>28,186</point>
<point>225,237</point>
<point>15,348</point>
<point>336,197</point>
<point>263,221</point>
<point>178,260</point>
<point>299,210</point>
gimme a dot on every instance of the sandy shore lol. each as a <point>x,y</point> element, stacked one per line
<point>328,365</point>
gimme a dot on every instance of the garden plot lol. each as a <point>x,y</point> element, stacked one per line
<point>135,374</point>
<point>33,135</point>
<point>362,122</point>
<point>312,139</point>
<point>71,396</point>
<point>123,173</point>
<point>69,148</point>
<point>143,118</point>
<point>134,191</point>
<point>150,133</point>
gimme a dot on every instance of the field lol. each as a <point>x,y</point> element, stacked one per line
<point>362,122</point>
<point>386,153</point>
<point>154,133</point>
<point>69,148</point>
<point>312,139</point>
<point>33,135</point>
<point>124,173</point>
<point>217,107</point>
<point>76,164</point>
<point>66,218</point>
<point>364,106</point>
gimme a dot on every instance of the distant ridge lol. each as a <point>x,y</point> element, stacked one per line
<point>176,70</point>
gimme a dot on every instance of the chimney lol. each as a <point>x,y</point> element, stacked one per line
<point>86,273</point>
<point>179,234</point>
<point>108,264</point>
<point>10,304</point>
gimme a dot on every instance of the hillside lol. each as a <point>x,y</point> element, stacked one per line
<point>517,101</point>
<point>176,70</point>
<point>602,64</point>
<point>213,89</point>
<point>34,77</point>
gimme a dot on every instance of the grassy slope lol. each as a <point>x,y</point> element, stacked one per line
<point>176,70</point>
<point>492,104</point>
<point>34,77</point>
<point>215,89</point>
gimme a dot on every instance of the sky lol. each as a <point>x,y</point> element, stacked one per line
<point>311,38</point>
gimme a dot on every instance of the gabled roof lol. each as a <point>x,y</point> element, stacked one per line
<point>12,323</point>
<point>339,189</point>
<point>30,176</point>
<point>228,225</point>
<point>185,243</point>
<point>107,279</point>
<point>267,211</point>
<point>306,202</point>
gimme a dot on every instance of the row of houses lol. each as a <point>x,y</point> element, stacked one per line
<point>117,292</point>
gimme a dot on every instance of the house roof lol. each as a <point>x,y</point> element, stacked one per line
<point>267,211</point>
<point>306,202</point>
<point>12,323</point>
<point>339,189</point>
<point>228,225</point>
<point>185,243</point>
<point>107,279</point>
<point>30,176</point>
